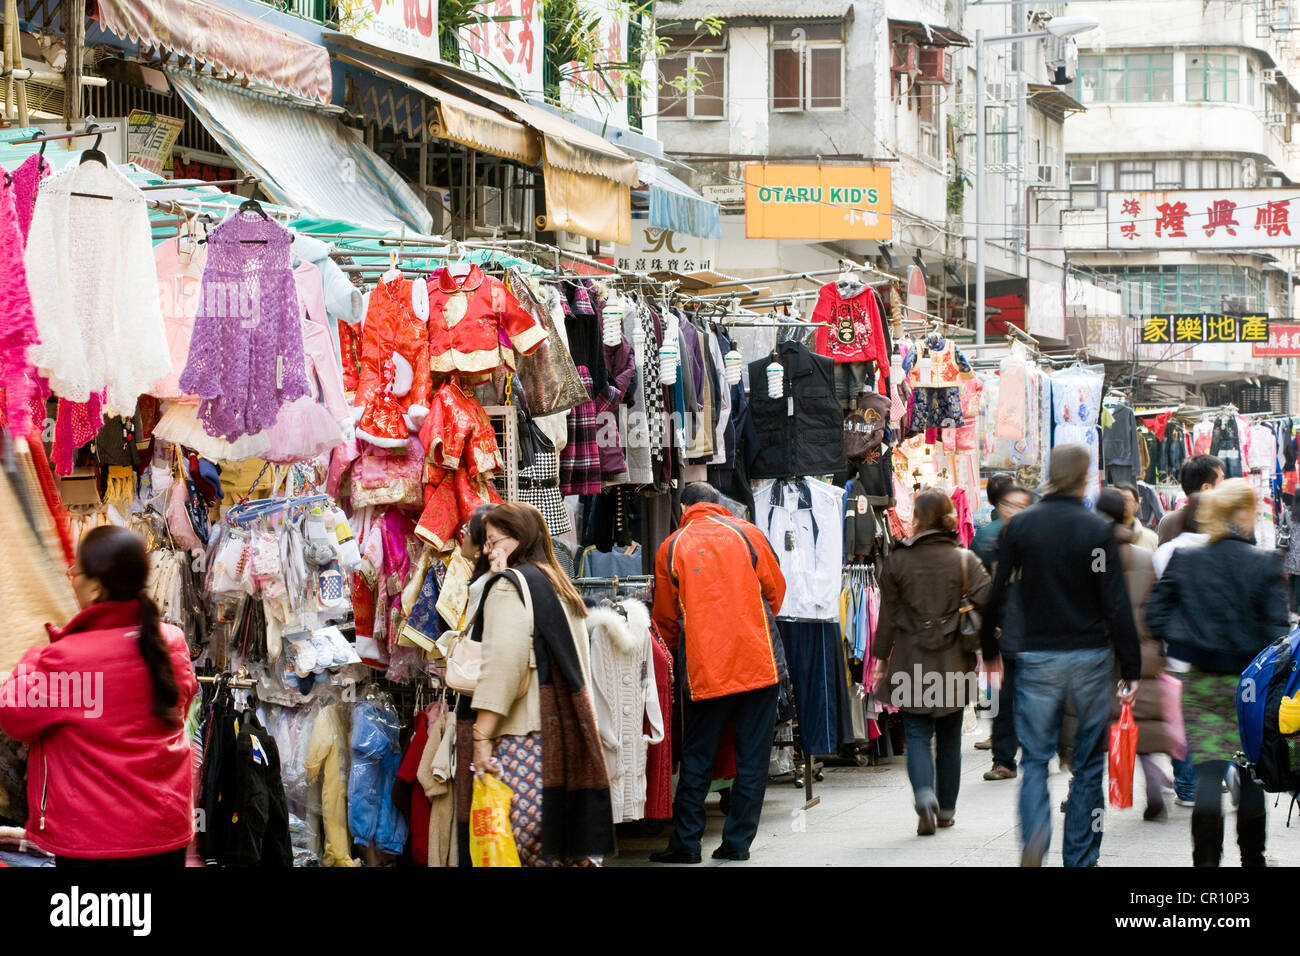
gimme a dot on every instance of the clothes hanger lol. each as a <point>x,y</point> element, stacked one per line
<point>393,273</point>
<point>92,154</point>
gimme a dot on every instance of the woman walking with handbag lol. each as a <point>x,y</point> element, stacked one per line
<point>931,591</point>
<point>535,724</point>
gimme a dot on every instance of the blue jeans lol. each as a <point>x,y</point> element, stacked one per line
<point>1044,680</point>
<point>936,791</point>
<point>1185,777</point>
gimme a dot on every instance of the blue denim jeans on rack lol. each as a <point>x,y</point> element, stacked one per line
<point>1044,681</point>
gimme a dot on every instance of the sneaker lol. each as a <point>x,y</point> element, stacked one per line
<point>926,822</point>
<point>1185,801</point>
<point>985,744</point>
<point>1156,814</point>
<point>1000,772</point>
<point>673,856</point>
<point>725,853</point>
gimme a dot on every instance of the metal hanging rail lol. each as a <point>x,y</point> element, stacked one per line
<point>190,183</point>
<point>91,129</point>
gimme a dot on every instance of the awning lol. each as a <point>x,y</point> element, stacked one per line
<point>1053,100</point>
<point>227,41</point>
<point>690,11</point>
<point>465,122</point>
<point>676,206</point>
<point>306,159</point>
<point>587,180</point>
<point>929,34</point>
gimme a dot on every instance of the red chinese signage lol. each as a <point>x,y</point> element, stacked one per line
<point>1202,219</point>
<point>1283,342</point>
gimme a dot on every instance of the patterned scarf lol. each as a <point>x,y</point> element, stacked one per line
<point>577,817</point>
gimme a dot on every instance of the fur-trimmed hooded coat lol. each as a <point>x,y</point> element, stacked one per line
<point>626,698</point>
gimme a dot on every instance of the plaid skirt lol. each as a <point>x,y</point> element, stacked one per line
<point>580,460</point>
<point>539,486</point>
<point>520,758</point>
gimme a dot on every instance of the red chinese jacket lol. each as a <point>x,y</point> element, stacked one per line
<point>466,317</point>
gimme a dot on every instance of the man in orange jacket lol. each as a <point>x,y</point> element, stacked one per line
<point>718,588</point>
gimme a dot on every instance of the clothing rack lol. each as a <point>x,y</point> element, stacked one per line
<point>90,129</point>
<point>189,183</point>
<point>250,511</point>
<point>235,683</point>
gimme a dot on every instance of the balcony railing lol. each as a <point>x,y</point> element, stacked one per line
<point>317,11</point>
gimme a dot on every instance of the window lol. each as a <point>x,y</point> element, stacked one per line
<point>704,77</point>
<point>1083,186</point>
<point>1213,78</point>
<point>928,115</point>
<point>1127,78</point>
<point>1169,174</point>
<point>995,142</point>
<point>1136,176</point>
<point>807,67</point>
<point>1250,85</point>
<point>1184,288</point>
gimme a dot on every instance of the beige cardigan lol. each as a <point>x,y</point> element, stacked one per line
<point>508,656</point>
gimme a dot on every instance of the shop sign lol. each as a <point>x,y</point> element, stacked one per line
<point>399,26</point>
<point>1202,329</point>
<point>1283,342</point>
<point>508,50</point>
<point>1108,336</point>
<point>150,138</point>
<point>1203,219</point>
<point>662,250</point>
<point>600,94</point>
<point>818,202</point>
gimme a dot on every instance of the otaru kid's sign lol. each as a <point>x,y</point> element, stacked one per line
<point>817,202</point>
<point>1203,219</point>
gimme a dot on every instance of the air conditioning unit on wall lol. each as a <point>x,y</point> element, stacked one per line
<point>905,58</point>
<point>934,65</point>
<point>1269,76</point>
<point>1047,174</point>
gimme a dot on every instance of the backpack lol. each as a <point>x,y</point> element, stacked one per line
<point>1272,675</point>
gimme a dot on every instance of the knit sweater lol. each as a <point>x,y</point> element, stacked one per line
<point>246,354</point>
<point>94,288</point>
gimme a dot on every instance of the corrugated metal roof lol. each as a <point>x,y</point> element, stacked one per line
<point>759,9</point>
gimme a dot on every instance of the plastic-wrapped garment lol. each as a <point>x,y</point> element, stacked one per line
<point>327,766</point>
<point>1076,397</point>
<point>376,755</point>
<point>291,728</point>
<point>1085,435</point>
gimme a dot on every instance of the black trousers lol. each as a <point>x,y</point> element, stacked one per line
<point>159,860</point>
<point>1207,817</point>
<point>754,716</point>
<point>1005,741</point>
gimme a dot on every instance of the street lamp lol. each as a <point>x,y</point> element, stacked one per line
<point>1056,27</point>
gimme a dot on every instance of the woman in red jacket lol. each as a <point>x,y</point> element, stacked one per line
<point>102,706</point>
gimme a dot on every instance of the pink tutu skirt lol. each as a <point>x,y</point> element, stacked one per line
<point>304,429</point>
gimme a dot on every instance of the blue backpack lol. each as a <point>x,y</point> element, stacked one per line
<point>1272,675</point>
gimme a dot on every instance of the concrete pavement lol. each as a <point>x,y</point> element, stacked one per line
<point>865,818</point>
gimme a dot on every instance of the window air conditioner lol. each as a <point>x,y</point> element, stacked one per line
<point>1046,174</point>
<point>1269,76</point>
<point>935,66</point>
<point>1277,119</point>
<point>437,199</point>
<point>488,212</point>
<point>905,58</point>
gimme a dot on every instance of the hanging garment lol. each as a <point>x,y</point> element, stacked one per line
<point>580,461</point>
<point>465,314</point>
<point>638,427</point>
<point>409,797</point>
<point>436,777</point>
<point>802,432</point>
<point>342,300</point>
<point>849,328</point>
<point>659,756</point>
<point>626,698</point>
<point>394,381</point>
<point>539,483</point>
<point>94,290</point>
<point>327,765</point>
<point>376,755</point>
<point>462,459</point>
<point>619,562</point>
<point>246,354</point>
<point>18,332</point>
<point>815,652</point>
<point>548,376</point>
<point>1119,444</point>
<point>610,414</point>
<point>803,522</point>
<point>180,280</point>
<point>935,379</point>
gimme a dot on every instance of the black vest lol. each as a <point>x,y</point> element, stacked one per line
<point>801,433</point>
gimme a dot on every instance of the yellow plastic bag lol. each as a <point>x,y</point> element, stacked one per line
<point>491,842</point>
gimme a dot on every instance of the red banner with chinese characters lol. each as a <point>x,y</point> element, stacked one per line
<point>1283,342</point>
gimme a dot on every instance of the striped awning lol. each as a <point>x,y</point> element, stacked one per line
<point>305,157</point>
<point>224,39</point>
<point>677,207</point>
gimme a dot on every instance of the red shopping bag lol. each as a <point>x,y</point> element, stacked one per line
<point>1123,756</point>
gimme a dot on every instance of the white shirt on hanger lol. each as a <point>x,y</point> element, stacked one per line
<point>802,520</point>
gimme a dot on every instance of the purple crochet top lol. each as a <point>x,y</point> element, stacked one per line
<point>246,355</point>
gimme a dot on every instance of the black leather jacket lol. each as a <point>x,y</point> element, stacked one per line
<point>1218,606</point>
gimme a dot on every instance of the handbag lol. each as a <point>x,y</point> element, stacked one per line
<point>464,654</point>
<point>969,621</point>
<point>549,378</point>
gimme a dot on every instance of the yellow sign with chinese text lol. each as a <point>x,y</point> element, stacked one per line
<point>818,202</point>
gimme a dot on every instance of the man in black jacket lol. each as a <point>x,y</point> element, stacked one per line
<point>1074,606</point>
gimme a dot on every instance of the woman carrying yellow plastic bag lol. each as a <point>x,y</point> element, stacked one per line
<point>491,842</point>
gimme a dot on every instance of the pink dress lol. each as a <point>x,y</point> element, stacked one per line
<point>179,284</point>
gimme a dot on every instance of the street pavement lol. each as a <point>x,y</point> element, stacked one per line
<point>865,818</point>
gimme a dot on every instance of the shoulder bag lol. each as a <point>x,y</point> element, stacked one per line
<point>969,620</point>
<point>464,652</point>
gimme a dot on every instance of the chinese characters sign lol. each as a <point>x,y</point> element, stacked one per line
<point>150,138</point>
<point>1202,329</point>
<point>662,250</point>
<point>1283,342</point>
<point>818,202</point>
<point>401,26</point>
<point>1203,219</point>
<point>510,49</point>
<point>601,94</point>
